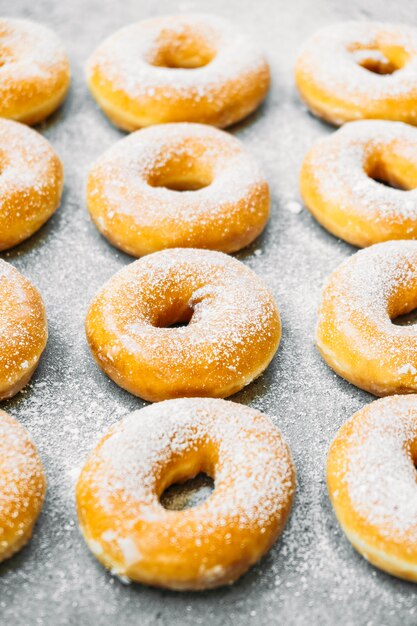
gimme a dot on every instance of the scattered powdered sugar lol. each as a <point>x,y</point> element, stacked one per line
<point>339,165</point>
<point>378,468</point>
<point>122,187</point>
<point>331,60</point>
<point>253,471</point>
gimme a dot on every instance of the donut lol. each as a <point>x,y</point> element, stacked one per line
<point>212,544</point>
<point>178,185</point>
<point>22,486</point>
<point>178,68</point>
<point>23,330</point>
<point>355,333</point>
<point>31,181</point>
<point>360,70</point>
<point>34,71</point>
<point>371,478</point>
<point>341,176</point>
<point>230,325</point>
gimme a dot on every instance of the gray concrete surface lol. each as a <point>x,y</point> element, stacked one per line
<point>311,576</point>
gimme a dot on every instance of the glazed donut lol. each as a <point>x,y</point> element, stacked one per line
<point>31,181</point>
<point>178,185</point>
<point>23,330</point>
<point>22,486</point>
<point>360,70</point>
<point>340,185</point>
<point>355,333</point>
<point>119,489</point>
<point>232,334</point>
<point>371,478</point>
<point>179,68</point>
<point>34,71</point>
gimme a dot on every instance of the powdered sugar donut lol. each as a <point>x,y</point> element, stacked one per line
<point>22,486</point>
<point>357,70</point>
<point>178,185</point>
<point>212,544</point>
<point>31,181</point>
<point>179,68</point>
<point>355,333</point>
<point>34,71</point>
<point>371,478</point>
<point>232,334</point>
<point>340,185</point>
<point>23,330</point>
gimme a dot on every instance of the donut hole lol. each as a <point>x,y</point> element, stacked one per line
<point>392,170</point>
<point>176,316</point>
<point>185,49</point>
<point>182,173</point>
<point>188,493</point>
<point>402,305</point>
<point>374,60</point>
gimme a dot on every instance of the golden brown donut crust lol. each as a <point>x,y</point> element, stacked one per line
<point>22,486</point>
<point>23,330</point>
<point>31,182</point>
<point>232,334</point>
<point>360,70</point>
<point>34,71</point>
<point>179,68</point>
<point>372,485</point>
<point>134,199</point>
<point>212,544</point>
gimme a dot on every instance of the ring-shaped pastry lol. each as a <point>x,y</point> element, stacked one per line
<point>179,68</point>
<point>22,486</point>
<point>230,325</point>
<point>371,477</point>
<point>212,544</point>
<point>360,70</point>
<point>178,186</point>
<point>360,182</point>
<point>355,331</point>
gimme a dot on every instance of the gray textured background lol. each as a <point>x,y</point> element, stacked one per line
<point>312,574</point>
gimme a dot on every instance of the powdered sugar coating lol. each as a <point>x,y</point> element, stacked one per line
<point>132,63</point>
<point>22,485</point>
<point>232,333</point>
<point>33,68</point>
<point>133,463</point>
<point>130,204</point>
<point>331,61</point>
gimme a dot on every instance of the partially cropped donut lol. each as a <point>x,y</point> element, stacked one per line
<point>178,185</point>
<point>371,477</point>
<point>23,330</point>
<point>22,486</point>
<point>34,71</point>
<point>355,333</point>
<point>232,325</point>
<point>179,68</point>
<point>342,182</point>
<point>360,70</point>
<point>31,181</point>
<point>212,544</point>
